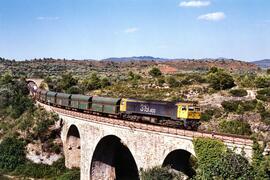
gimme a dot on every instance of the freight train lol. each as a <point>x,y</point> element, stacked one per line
<point>174,114</point>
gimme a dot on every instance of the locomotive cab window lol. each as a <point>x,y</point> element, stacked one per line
<point>191,108</point>
<point>197,109</point>
<point>184,108</point>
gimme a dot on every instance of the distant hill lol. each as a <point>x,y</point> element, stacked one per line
<point>265,63</point>
<point>135,58</point>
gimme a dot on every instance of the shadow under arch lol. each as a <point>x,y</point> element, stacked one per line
<point>180,160</point>
<point>73,147</point>
<point>113,160</point>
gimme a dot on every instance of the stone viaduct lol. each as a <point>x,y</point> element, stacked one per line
<point>108,148</point>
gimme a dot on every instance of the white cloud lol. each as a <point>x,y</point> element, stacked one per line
<point>194,3</point>
<point>41,18</point>
<point>216,16</point>
<point>131,30</point>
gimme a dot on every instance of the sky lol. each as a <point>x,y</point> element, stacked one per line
<point>97,29</point>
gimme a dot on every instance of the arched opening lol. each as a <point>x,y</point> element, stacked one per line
<point>113,160</point>
<point>180,160</point>
<point>73,148</point>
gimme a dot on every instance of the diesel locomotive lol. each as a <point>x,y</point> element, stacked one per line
<point>174,114</point>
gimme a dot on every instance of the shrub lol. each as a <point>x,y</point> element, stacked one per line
<point>57,171</point>
<point>247,80</point>
<point>74,90</point>
<point>238,92</point>
<point>105,82</point>
<point>233,106</point>
<point>249,105</point>
<point>159,173</point>
<point>208,152</point>
<point>230,106</point>
<point>263,94</point>
<point>265,117</point>
<point>262,82</point>
<point>215,161</point>
<point>172,82</point>
<point>161,81</point>
<point>207,115</point>
<point>235,127</point>
<point>155,72</point>
<point>234,166</point>
<point>73,174</point>
<point>220,80</point>
<point>12,153</point>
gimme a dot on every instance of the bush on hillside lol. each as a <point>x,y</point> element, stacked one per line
<point>220,80</point>
<point>235,127</point>
<point>262,82</point>
<point>215,161</point>
<point>172,82</point>
<point>233,106</point>
<point>263,94</point>
<point>155,72</point>
<point>207,114</point>
<point>238,92</point>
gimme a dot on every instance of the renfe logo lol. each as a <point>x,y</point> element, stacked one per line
<point>146,108</point>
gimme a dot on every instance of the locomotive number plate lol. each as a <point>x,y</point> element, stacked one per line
<point>147,109</point>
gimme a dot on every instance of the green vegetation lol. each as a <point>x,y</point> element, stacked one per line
<point>215,161</point>
<point>235,106</point>
<point>238,92</point>
<point>13,162</point>
<point>260,163</point>
<point>155,72</point>
<point>207,115</point>
<point>220,80</point>
<point>20,118</point>
<point>235,127</point>
<point>160,173</point>
<point>172,82</point>
<point>263,94</point>
<point>13,96</point>
<point>12,153</point>
<point>57,171</point>
<point>262,82</point>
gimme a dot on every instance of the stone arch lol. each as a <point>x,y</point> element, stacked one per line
<point>113,160</point>
<point>73,147</point>
<point>180,160</point>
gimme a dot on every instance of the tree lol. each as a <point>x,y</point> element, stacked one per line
<point>12,153</point>
<point>92,82</point>
<point>213,70</point>
<point>234,166</point>
<point>155,72</point>
<point>67,81</point>
<point>215,161</point>
<point>6,78</point>
<point>221,80</point>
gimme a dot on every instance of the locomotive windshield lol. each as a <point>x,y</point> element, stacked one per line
<point>191,108</point>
